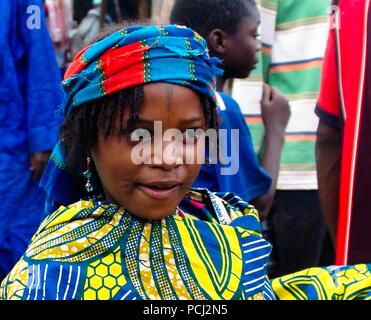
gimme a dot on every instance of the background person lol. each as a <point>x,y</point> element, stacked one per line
<point>30,93</point>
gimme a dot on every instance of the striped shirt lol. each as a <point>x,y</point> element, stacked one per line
<point>293,35</point>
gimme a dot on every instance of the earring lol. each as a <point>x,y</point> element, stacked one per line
<point>87,175</point>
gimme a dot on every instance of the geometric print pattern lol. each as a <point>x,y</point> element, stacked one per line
<point>104,277</point>
<point>181,257</point>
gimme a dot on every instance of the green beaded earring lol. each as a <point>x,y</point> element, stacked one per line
<point>87,175</point>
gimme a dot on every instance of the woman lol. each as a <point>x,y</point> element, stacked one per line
<point>130,230</point>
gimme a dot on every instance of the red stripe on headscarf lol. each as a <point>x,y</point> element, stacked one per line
<point>128,72</point>
<point>77,65</point>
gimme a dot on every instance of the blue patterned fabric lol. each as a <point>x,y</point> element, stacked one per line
<point>96,250</point>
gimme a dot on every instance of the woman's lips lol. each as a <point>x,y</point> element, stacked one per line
<point>158,191</point>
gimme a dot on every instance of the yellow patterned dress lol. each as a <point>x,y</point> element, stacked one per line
<point>212,249</point>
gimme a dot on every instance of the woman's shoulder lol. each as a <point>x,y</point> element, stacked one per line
<point>66,213</point>
<point>68,232</point>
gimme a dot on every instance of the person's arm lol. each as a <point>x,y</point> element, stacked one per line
<point>43,89</point>
<point>38,163</point>
<point>328,145</point>
<point>275,114</point>
<point>328,158</point>
<point>274,125</point>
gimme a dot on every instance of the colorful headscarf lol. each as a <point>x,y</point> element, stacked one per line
<point>132,56</point>
<point>139,55</point>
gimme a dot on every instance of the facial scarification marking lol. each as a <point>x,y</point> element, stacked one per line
<point>169,97</point>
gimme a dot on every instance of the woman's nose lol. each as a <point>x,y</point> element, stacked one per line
<point>168,155</point>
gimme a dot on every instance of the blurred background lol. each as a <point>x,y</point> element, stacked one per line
<point>74,23</point>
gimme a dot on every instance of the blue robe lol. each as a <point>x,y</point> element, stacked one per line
<point>30,94</point>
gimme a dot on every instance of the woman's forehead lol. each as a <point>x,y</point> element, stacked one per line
<point>164,101</point>
<point>169,94</point>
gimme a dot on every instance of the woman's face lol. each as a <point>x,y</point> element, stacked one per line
<point>152,190</point>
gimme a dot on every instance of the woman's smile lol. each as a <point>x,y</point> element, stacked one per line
<point>159,190</point>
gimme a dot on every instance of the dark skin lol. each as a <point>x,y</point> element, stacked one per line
<point>328,158</point>
<point>38,162</point>
<point>275,114</point>
<point>239,54</point>
<point>151,191</point>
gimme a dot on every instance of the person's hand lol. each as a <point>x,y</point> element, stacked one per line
<point>38,162</point>
<point>275,111</point>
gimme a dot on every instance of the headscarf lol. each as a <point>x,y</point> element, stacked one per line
<point>132,56</point>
